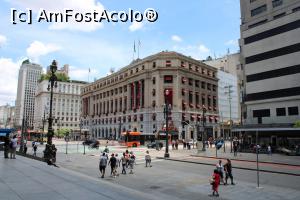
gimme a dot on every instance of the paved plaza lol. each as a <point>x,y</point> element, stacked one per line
<point>78,176</point>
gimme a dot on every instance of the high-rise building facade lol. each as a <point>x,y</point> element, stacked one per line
<point>7,116</point>
<point>230,74</point>
<point>66,107</point>
<point>270,51</point>
<point>133,98</point>
<point>29,75</point>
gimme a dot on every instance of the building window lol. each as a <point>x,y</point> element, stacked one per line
<point>168,63</point>
<point>276,3</point>
<point>168,79</point>
<point>258,10</point>
<point>190,97</point>
<point>293,110</point>
<point>153,92</point>
<point>197,83</point>
<point>153,104</point>
<point>190,82</point>
<point>261,113</point>
<point>153,80</point>
<point>154,64</point>
<point>182,64</point>
<point>208,86</point>
<point>202,84</point>
<point>190,66</point>
<point>137,70</point>
<point>280,112</point>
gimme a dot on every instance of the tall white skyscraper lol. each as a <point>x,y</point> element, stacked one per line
<point>29,75</point>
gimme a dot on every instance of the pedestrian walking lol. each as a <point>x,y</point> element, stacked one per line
<point>228,172</point>
<point>25,148</point>
<point>34,149</point>
<point>124,161</point>
<point>148,159</point>
<point>220,169</point>
<point>269,150</point>
<point>13,147</point>
<point>235,148</point>
<point>176,144</point>
<point>6,146</point>
<point>131,162</point>
<point>173,144</point>
<point>102,164</point>
<point>118,163</point>
<point>113,163</point>
<point>215,182</point>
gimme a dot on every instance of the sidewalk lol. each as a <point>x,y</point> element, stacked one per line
<point>274,158</point>
<point>27,179</point>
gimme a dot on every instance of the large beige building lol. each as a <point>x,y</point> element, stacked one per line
<point>66,105</point>
<point>133,97</point>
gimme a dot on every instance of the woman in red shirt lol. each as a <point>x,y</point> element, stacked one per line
<point>216,182</point>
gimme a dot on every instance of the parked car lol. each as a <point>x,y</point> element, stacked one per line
<point>152,145</point>
<point>286,151</point>
<point>90,141</point>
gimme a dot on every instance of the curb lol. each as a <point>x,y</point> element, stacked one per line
<point>243,168</point>
<point>277,163</point>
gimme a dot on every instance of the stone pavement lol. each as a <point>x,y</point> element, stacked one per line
<point>24,179</point>
<point>27,179</point>
<point>274,158</point>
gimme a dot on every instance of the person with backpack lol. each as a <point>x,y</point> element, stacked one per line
<point>102,164</point>
<point>113,163</point>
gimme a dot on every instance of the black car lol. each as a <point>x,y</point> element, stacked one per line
<point>90,142</point>
<point>153,145</point>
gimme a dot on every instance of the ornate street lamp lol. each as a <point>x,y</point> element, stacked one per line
<point>203,124</point>
<point>49,153</point>
<point>167,110</point>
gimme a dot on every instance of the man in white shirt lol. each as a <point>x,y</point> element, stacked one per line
<point>13,147</point>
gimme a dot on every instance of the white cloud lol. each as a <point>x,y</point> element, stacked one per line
<point>203,49</point>
<point>80,6</point>
<point>176,38</point>
<point>232,42</point>
<point>83,74</point>
<point>3,40</point>
<point>199,52</point>
<point>8,80</point>
<point>136,26</point>
<point>37,49</point>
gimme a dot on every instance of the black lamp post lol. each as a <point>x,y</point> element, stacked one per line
<point>49,153</point>
<point>167,109</point>
<point>203,124</point>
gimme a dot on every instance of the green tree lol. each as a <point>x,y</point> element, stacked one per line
<point>60,133</point>
<point>297,124</point>
<point>60,77</point>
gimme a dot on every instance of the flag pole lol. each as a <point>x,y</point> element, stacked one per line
<point>139,44</point>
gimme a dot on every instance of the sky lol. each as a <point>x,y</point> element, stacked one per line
<point>196,28</point>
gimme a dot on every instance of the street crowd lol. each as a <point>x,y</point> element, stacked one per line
<point>126,161</point>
